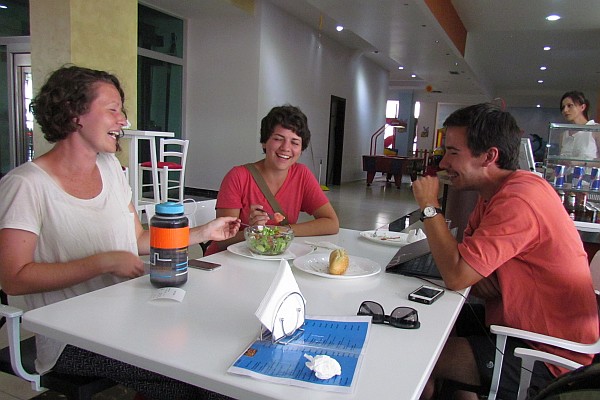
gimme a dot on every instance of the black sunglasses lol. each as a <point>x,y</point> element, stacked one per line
<point>401,317</point>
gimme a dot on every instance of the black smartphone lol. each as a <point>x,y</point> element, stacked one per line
<point>426,294</point>
<point>203,265</point>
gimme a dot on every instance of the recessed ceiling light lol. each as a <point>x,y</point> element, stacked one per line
<point>413,76</point>
<point>401,67</point>
<point>546,48</point>
<point>543,68</point>
<point>538,105</point>
<point>553,17</point>
<point>540,81</point>
<point>3,6</point>
<point>339,28</point>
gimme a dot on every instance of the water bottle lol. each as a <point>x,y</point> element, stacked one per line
<point>169,239</point>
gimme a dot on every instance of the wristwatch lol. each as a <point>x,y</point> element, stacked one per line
<point>429,212</point>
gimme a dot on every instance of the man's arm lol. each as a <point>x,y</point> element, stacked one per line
<point>456,272</point>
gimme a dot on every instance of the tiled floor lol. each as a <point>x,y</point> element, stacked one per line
<point>358,207</point>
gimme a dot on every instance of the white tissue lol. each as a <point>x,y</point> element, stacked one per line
<point>414,235</point>
<point>324,366</point>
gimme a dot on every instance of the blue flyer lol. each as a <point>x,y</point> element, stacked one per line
<point>342,338</point>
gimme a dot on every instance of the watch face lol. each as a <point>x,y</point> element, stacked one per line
<point>429,211</point>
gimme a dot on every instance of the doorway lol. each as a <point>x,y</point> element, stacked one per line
<point>16,121</point>
<point>335,151</point>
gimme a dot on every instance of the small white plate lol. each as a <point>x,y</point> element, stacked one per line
<point>386,237</point>
<point>318,264</point>
<point>295,250</point>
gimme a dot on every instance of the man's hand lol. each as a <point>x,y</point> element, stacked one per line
<point>426,190</point>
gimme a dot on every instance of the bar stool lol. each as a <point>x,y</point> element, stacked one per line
<point>171,169</point>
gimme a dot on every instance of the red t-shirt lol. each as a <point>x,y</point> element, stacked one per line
<point>526,237</point>
<point>300,192</point>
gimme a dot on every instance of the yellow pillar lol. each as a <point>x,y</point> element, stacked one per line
<point>93,34</point>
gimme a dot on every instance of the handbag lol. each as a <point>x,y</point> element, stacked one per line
<point>262,185</point>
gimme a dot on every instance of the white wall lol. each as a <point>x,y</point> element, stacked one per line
<point>301,68</point>
<point>241,65</point>
<point>221,88</point>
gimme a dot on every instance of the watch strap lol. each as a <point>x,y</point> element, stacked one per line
<point>424,217</point>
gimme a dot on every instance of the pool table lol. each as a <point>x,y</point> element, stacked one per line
<point>392,166</point>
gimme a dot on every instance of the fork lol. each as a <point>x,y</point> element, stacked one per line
<point>378,228</point>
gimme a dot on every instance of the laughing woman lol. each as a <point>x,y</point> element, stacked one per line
<point>68,226</point>
<point>284,135</point>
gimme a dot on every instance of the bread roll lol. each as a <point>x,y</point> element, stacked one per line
<point>338,262</point>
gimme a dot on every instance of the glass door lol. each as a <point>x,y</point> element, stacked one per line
<point>23,118</point>
<point>16,122</point>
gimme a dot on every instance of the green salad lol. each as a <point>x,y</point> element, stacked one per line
<point>268,240</point>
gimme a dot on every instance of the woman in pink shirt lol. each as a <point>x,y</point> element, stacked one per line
<point>284,135</point>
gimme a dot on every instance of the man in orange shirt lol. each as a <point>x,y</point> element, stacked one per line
<point>520,252</point>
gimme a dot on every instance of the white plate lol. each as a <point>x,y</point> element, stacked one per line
<point>295,250</point>
<point>386,237</point>
<point>318,264</point>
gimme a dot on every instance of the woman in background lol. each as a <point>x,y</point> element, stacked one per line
<point>284,135</point>
<point>578,144</point>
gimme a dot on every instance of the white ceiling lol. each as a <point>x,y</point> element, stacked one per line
<point>503,51</point>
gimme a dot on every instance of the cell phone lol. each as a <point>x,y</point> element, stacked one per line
<point>426,294</point>
<point>203,265</point>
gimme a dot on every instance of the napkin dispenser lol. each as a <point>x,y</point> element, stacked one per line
<point>282,310</point>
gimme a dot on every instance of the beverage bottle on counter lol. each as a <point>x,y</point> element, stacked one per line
<point>570,205</point>
<point>169,239</point>
<point>593,210</point>
<point>582,212</point>
<point>561,196</point>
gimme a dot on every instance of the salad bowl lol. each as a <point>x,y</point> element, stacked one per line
<point>268,240</point>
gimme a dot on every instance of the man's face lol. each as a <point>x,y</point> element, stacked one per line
<point>464,169</point>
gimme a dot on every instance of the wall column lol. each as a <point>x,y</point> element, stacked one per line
<point>93,34</point>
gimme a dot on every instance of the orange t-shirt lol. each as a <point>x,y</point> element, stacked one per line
<point>524,235</point>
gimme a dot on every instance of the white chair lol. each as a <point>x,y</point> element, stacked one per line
<point>198,213</point>
<point>171,171</point>
<point>529,356</point>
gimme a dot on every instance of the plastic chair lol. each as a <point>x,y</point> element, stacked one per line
<point>18,359</point>
<point>171,173</point>
<point>198,213</point>
<point>530,356</point>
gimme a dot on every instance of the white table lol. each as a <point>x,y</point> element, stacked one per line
<point>197,340</point>
<point>135,137</point>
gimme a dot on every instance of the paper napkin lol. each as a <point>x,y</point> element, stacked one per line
<point>282,309</point>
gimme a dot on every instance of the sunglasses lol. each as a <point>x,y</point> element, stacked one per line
<point>401,317</point>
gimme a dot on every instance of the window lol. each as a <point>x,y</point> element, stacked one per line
<point>160,71</point>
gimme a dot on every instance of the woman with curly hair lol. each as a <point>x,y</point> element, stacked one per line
<point>68,226</point>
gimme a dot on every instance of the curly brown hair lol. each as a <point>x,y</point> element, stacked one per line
<point>66,95</point>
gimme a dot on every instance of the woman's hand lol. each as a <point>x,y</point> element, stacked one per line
<point>120,263</point>
<point>221,228</point>
<point>257,215</point>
